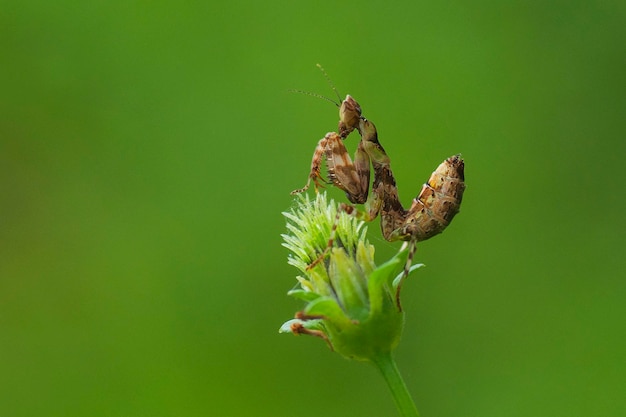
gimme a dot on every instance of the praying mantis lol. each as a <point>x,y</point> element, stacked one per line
<point>431,211</point>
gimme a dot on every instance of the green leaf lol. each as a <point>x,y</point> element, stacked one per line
<point>378,283</point>
<point>303,295</point>
<point>398,279</point>
<point>286,327</point>
<point>328,308</point>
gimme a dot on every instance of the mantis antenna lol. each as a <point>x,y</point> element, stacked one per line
<point>330,82</point>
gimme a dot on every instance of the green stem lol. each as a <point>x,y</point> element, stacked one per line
<point>387,366</point>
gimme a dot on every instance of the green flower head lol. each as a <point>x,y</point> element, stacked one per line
<point>350,302</point>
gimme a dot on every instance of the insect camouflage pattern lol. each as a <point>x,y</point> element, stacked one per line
<point>431,211</point>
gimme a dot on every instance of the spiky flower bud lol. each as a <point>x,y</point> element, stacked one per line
<point>350,302</point>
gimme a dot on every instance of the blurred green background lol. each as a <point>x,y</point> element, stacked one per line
<point>147,150</point>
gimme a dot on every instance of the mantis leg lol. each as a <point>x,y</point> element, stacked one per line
<point>351,177</point>
<point>316,163</point>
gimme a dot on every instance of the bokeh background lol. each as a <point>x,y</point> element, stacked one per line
<point>147,150</point>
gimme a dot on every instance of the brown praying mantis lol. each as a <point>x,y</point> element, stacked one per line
<point>431,211</point>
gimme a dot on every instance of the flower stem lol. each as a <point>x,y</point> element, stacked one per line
<point>387,366</point>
